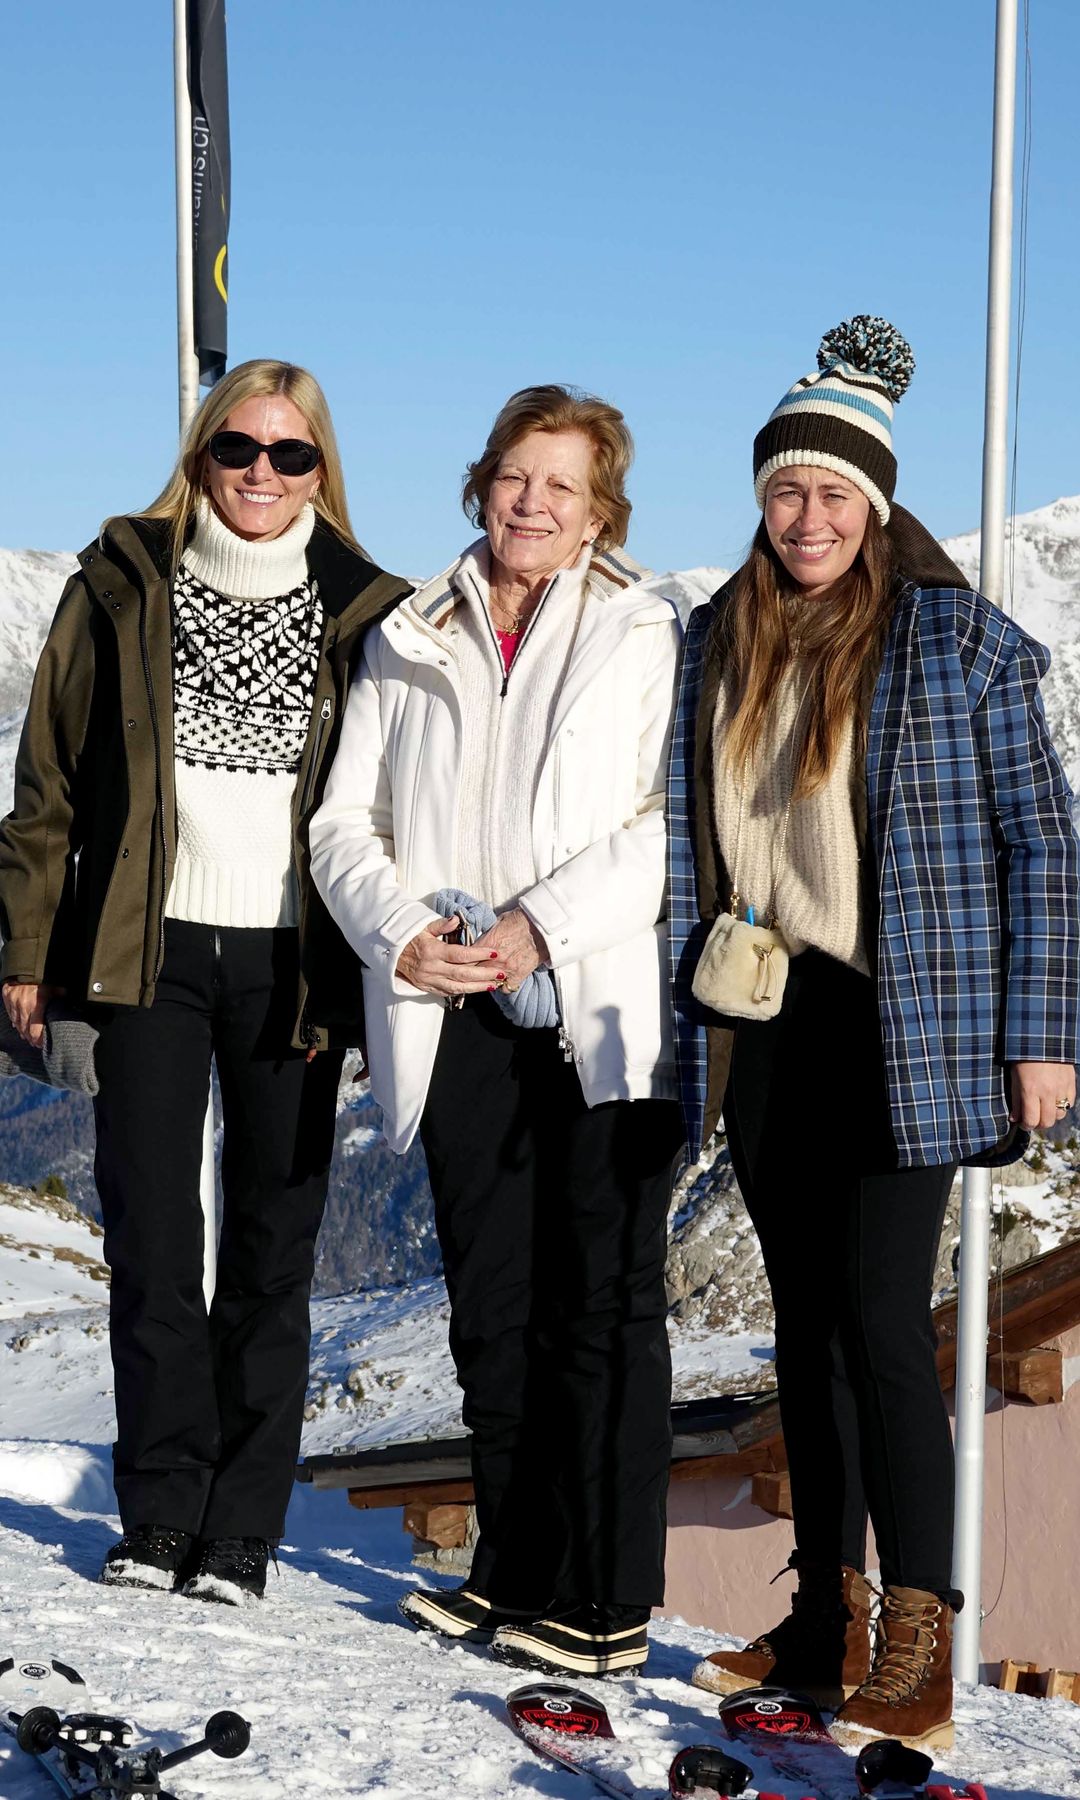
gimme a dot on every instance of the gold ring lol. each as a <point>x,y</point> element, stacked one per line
<point>1064,1105</point>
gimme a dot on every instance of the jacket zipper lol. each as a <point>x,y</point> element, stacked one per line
<point>149,679</point>
<point>325,714</point>
<point>524,637</point>
<point>566,1042</point>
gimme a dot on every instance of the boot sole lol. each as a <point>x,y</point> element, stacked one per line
<point>937,1737</point>
<point>431,1618</point>
<point>521,1656</point>
<point>216,1592</point>
<point>725,1681</point>
<point>139,1575</point>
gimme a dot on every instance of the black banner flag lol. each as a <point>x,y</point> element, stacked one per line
<point>208,86</point>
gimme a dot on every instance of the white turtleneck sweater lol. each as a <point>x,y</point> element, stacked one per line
<point>247,621</point>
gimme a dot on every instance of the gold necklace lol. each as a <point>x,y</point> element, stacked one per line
<point>500,606</point>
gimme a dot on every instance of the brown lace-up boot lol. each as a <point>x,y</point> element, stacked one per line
<point>822,1648</point>
<point>908,1693</point>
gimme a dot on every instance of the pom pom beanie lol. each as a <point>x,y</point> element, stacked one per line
<point>840,417</point>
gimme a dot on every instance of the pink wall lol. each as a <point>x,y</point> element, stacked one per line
<point>723,1552</point>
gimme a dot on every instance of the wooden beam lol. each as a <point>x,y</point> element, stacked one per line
<point>1040,1299</point>
<point>437,1523</point>
<point>1042,1684</point>
<point>432,1491</point>
<point>769,1455</point>
<point>1013,1674</point>
<point>1037,1375</point>
<point>1063,1684</point>
<point>771,1490</point>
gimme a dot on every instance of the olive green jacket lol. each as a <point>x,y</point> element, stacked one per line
<point>87,852</point>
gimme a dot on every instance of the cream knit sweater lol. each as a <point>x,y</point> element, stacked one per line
<point>246,627</point>
<point>799,862</point>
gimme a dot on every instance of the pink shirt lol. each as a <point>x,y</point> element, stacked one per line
<point>508,643</point>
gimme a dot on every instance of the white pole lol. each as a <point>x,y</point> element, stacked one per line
<point>187,364</point>
<point>975,1213</point>
<point>187,361</point>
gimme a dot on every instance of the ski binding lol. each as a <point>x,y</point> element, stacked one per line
<point>88,1754</point>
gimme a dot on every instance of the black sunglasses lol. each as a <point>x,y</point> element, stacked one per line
<point>289,456</point>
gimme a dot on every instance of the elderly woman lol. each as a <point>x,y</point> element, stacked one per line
<point>155,867</point>
<point>507,739</point>
<point>870,801</point>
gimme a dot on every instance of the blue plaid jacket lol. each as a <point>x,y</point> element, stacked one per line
<point>978,874</point>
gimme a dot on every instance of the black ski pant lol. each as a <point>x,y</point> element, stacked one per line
<point>849,1242</point>
<point>552,1222</point>
<point>209,1405</point>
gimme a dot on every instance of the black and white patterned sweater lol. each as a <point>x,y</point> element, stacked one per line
<point>247,621</point>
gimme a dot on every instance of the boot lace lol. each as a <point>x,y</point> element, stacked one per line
<point>816,1600</point>
<point>901,1668</point>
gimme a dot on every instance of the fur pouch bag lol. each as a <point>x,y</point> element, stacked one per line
<point>742,969</point>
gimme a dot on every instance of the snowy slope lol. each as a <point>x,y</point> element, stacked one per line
<point>343,1698</point>
<point>380,1369</point>
<point>50,1256</point>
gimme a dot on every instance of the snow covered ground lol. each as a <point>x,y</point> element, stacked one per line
<point>343,1697</point>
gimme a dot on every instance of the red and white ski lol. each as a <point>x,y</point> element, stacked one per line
<point>572,1729</point>
<point>787,1729</point>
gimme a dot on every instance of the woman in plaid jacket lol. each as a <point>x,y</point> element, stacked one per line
<point>861,765</point>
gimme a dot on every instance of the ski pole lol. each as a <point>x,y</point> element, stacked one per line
<point>226,1734</point>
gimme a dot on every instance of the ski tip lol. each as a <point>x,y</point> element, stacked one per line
<point>556,1706</point>
<point>30,1680</point>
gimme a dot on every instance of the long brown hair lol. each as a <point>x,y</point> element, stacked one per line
<point>180,495</point>
<point>839,635</point>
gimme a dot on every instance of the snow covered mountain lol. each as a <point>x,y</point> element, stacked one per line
<point>1042,570</point>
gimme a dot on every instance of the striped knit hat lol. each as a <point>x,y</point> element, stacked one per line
<point>840,417</point>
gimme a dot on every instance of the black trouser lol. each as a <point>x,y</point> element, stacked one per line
<point>209,1408</point>
<point>849,1242</point>
<point>552,1222</point>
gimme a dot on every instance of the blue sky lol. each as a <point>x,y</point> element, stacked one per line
<point>435,203</point>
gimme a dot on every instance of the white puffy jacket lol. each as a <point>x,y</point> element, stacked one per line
<point>381,842</point>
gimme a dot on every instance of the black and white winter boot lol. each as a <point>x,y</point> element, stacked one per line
<point>457,1613</point>
<point>229,1570</point>
<point>590,1640</point>
<point>148,1556</point>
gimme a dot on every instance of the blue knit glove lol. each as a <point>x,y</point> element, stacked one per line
<point>535,1003</point>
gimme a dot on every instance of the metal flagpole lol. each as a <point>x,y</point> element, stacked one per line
<point>188,384</point>
<point>975,1212</point>
<point>187,361</point>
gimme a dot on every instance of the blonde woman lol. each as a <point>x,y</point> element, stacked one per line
<point>863,787</point>
<point>155,867</point>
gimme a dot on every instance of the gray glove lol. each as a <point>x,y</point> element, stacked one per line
<point>65,1060</point>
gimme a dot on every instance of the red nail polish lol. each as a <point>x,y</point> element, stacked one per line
<point>501,976</point>
<point>491,987</point>
<point>494,954</point>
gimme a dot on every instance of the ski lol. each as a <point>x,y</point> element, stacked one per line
<point>88,1755</point>
<point>30,1684</point>
<point>568,1727</point>
<point>788,1731</point>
